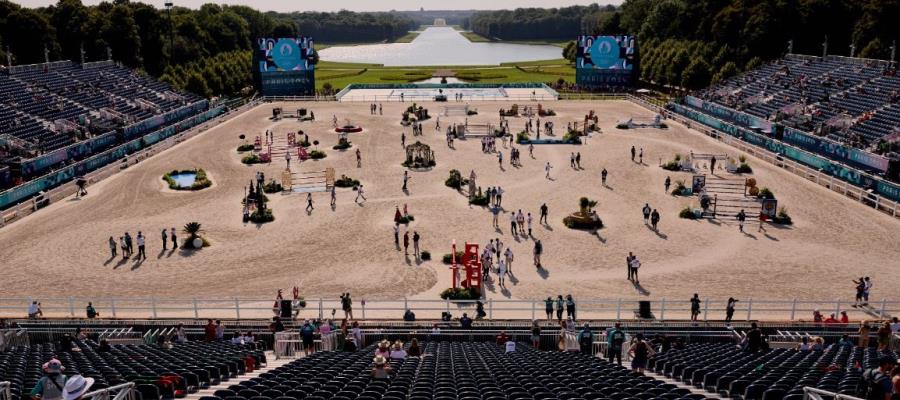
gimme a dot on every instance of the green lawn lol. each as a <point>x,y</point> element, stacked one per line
<point>408,37</point>
<point>474,37</point>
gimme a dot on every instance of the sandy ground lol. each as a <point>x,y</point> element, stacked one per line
<point>63,250</point>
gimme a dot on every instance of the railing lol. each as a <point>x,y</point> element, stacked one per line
<point>125,391</point>
<point>4,391</point>
<point>819,394</point>
<point>12,338</point>
<point>587,309</point>
<point>864,196</point>
<point>409,98</point>
<point>60,192</point>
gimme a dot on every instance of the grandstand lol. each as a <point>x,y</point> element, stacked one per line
<point>58,113</point>
<point>848,101</point>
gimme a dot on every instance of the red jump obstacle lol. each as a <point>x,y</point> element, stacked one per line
<point>472,264</point>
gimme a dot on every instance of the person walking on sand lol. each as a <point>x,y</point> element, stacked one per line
<point>633,152</point>
<point>359,193</point>
<point>309,203</point>
<point>495,212</point>
<point>520,220</point>
<point>287,157</point>
<point>544,211</point>
<point>174,239</point>
<point>762,221</point>
<point>501,272</point>
<point>628,259</point>
<point>164,239</point>
<point>416,238</point>
<point>512,223</point>
<point>646,211</point>
<point>380,109</point>
<point>129,244</point>
<point>603,176</point>
<point>578,160</point>
<point>668,183</point>
<point>140,242</point>
<point>547,169</point>
<point>405,180</point>
<point>406,242</point>
<point>509,259</point>
<point>641,156</point>
<point>358,159</point>
<point>397,234</point>
<point>500,158</point>
<point>635,266</point>
<point>124,247</point>
<point>741,217</point>
<point>403,139</point>
<point>529,219</point>
<point>538,249</point>
<point>531,150</point>
<point>498,196</point>
<point>112,246</point>
<point>654,219</point>
<point>333,196</point>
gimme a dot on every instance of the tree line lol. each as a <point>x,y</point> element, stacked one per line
<point>532,23</point>
<point>209,48</point>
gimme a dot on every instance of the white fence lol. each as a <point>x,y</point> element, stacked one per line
<point>810,393</point>
<point>125,391</point>
<point>586,309</point>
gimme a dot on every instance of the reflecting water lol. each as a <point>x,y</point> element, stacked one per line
<point>440,46</point>
<point>184,180</point>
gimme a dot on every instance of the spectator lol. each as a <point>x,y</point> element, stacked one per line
<point>383,349</point>
<point>845,341</point>
<point>479,310</point>
<point>548,308</point>
<point>381,371</point>
<point>414,349</point>
<point>307,333</point>
<point>465,322</point>
<point>237,338</point>
<point>640,352</point>
<point>50,386</point>
<point>90,311</point>
<point>34,310</point>
<point>884,336</point>
<point>220,330</point>
<point>276,325</point>
<point>502,338</point>
<point>209,331</point>
<point>844,318</point>
<point>325,330</point>
<point>615,339</point>
<point>585,339</point>
<point>397,352</point>
<point>180,334</point>
<point>536,334</point>
<point>249,338</point>
<point>804,344</point>
<point>875,384</point>
<point>104,347</point>
<point>409,316</point>
<point>695,307</point>
<point>570,307</point>
<point>864,332</point>
<point>511,346</point>
<point>831,319</point>
<point>817,316</point>
<point>76,387</point>
<point>729,308</point>
<point>754,338</point>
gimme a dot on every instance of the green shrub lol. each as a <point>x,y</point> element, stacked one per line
<point>671,166</point>
<point>742,158</point>
<point>448,258</point>
<point>317,154</point>
<point>426,255</point>
<point>459,294</point>
<point>687,213</point>
<point>303,143</point>
<point>455,180</point>
<point>342,144</point>
<point>680,189</point>
<point>406,219</point>
<point>744,168</point>
<point>782,217</point>
<point>272,187</point>
<point>258,218</point>
<point>345,182</point>
<point>479,199</point>
<point>251,159</point>
<point>572,137</point>
<point>573,222</point>
<point>244,147</point>
<point>472,112</point>
<point>765,193</point>
<point>522,137</point>
<point>201,181</point>
<point>419,164</point>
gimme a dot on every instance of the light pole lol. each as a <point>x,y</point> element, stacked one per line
<point>169,5</point>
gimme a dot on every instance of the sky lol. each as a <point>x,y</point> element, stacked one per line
<point>358,5</point>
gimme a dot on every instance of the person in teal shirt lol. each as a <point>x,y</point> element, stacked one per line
<point>50,386</point>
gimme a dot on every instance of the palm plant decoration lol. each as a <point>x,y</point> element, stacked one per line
<point>586,205</point>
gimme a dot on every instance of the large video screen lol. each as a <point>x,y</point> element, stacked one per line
<point>285,66</point>
<point>605,60</point>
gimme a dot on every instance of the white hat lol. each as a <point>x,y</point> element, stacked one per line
<point>76,386</point>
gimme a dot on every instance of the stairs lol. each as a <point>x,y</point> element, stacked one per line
<point>271,363</point>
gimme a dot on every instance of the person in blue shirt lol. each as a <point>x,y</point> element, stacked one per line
<point>307,333</point>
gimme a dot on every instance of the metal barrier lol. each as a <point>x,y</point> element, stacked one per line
<point>4,391</point>
<point>125,391</point>
<point>496,309</point>
<point>810,393</point>
<point>13,338</point>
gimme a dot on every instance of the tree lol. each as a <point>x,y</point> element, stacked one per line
<point>570,51</point>
<point>24,32</point>
<point>696,75</point>
<point>121,33</point>
<point>195,83</point>
<point>727,71</point>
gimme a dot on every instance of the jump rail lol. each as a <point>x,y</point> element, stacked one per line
<point>125,391</point>
<point>607,309</point>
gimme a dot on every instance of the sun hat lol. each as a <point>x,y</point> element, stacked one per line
<point>53,366</point>
<point>76,386</point>
<point>379,360</point>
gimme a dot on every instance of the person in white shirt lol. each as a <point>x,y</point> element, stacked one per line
<point>140,243</point>
<point>510,346</point>
<point>237,339</point>
<point>895,325</point>
<point>397,352</point>
<point>509,259</point>
<point>547,169</point>
<point>34,310</point>
<point>220,330</point>
<point>501,272</point>
<point>180,334</point>
<point>635,265</point>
